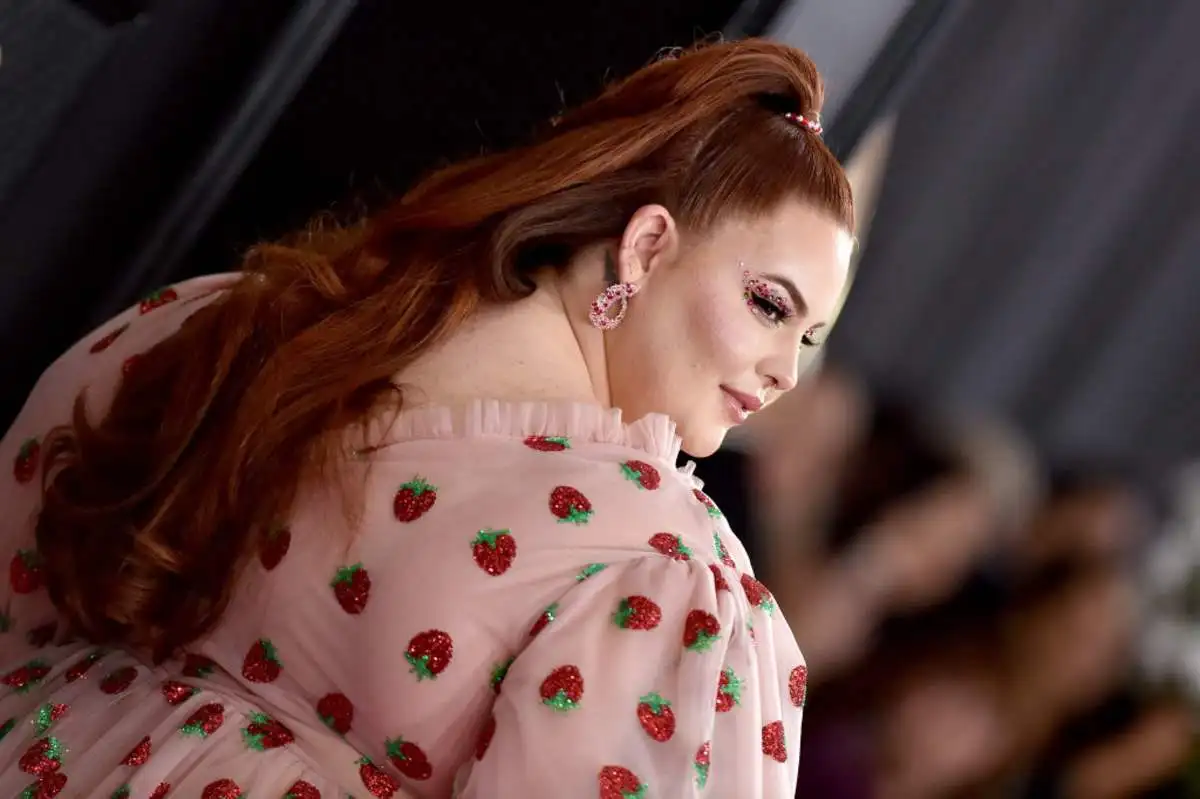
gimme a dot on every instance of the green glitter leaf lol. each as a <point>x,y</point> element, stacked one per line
<point>732,686</point>
<point>561,701</point>
<point>589,570</point>
<point>499,672</point>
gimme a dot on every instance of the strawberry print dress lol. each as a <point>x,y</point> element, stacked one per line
<point>535,603</point>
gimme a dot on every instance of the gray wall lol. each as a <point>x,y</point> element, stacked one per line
<point>1036,248</point>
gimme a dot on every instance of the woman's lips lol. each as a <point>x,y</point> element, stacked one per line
<point>741,405</point>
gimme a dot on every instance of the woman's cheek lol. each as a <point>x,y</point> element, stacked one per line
<point>722,333</point>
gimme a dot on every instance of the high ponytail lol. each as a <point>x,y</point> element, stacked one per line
<point>150,515</point>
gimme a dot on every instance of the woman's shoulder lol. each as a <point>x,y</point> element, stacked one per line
<point>93,367</point>
<point>100,358</point>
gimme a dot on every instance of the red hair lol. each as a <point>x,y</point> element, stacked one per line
<point>150,515</point>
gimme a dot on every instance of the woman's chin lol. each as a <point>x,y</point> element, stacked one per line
<point>704,442</point>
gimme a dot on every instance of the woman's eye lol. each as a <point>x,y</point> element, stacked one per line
<point>765,301</point>
<point>769,310</point>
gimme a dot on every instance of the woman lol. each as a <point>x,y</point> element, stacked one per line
<point>366,517</point>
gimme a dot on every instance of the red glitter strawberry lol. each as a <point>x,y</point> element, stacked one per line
<point>139,754</point>
<point>198,666</point>
<point>570,505</point>
<point>642,473</point>
<point>160,790</point>
<point>773,744</point>
<point>119,681</point>
<point>302,790</point>
<point>337,712</point>
<point>176,693</point>
<point>129,364</point>
<point>26,463</point>
<point>47,714</point>
<point>414,499</point>
<point>222,789</point>
<point>702,762</point>
<point>42,757</point>
<point>700,630</point>
<point>205,721</point>
<point>548,443</point>
<point>798,685</point>
<point>563,688</point>
<point>729,691</point>
<point>429,653</point>
<point>273,546</point>
<point>23,678</point>
<point>42,634</point>
<point>718,578</point>
<point>656,717</point>
<point>352,587</point>
<point>670,545</point>
<point>408,759</point>
<point>264,732</point>
<point>708,504</point>
<point>157,300</point>
<point>758,595</point>
<point>637,613</point>
<point>82,666</point>
<point>107,341</point>
<point>543,621</point>
<point>25,571</point>
<point>485,738</point>
<point>721,552</point>
<point>494,550</point>
<point>47,786</point>
<point>377,781</point>
<point>262,662</point>
<point>499,672</point>
<point>618,782</point>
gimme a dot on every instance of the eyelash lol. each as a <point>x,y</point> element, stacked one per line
<point>766,302</point>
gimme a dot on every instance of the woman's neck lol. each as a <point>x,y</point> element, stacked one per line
<point>527,350</point>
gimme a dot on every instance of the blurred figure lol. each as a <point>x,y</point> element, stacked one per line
<point>961,615</point>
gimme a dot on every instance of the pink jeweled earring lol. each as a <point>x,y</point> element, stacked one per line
<point>614,294</point>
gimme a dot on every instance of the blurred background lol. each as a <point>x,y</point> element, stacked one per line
<point>979,513</point>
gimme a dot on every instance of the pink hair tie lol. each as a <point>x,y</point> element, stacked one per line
<point>799,119</point>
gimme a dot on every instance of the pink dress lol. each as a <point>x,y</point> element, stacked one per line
<point>537,604</point>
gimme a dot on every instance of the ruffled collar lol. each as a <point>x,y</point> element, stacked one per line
<point>653,434</point>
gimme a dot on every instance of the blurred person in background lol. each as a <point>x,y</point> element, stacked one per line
<point>395,509</point>
<point>968,625</point>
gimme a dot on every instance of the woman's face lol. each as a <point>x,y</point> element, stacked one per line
<point>720,322</point>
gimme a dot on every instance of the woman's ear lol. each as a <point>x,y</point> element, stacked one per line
<point>651,237</point>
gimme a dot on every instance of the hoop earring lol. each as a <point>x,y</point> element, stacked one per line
<point>614,294</point>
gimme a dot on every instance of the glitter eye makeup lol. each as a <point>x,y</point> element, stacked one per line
<point>811,337</point>
<point>767,302</point>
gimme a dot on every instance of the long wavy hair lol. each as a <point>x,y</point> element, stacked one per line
<point>150,515</point>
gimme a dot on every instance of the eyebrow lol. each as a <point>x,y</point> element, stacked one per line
<point>793,292</point>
